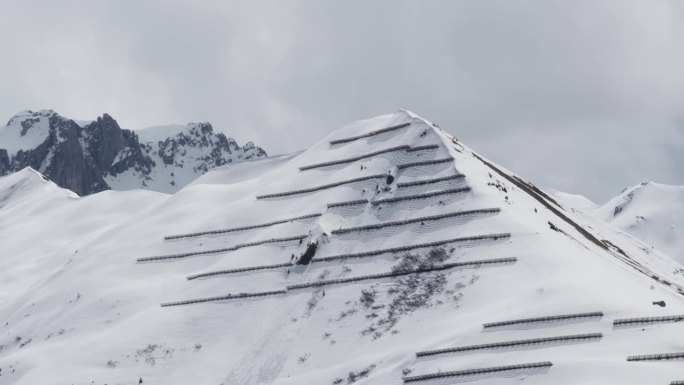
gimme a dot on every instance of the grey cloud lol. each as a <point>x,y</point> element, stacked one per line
<point>584,96</point>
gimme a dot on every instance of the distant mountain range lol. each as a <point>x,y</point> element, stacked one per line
<point>652,212</point>
<point>89,157</point>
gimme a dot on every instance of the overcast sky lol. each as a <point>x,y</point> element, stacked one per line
<point>582,96</point>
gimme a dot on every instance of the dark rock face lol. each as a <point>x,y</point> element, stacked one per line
<point>81,158</point>
<point>4,161</point>
<point>201,135</point>
<point>111,150</point>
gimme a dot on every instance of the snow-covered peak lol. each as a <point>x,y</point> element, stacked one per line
<point>28,186</point>
<point>652,212</point>
<point>25,131</point>
<point>27,176</point>
<point>644,191</point>
<point>162,132</point>
<point>29,114</point>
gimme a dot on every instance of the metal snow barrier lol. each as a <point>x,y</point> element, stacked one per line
<point>424,163</point>
<point>446,266</point>
<point>252,227</point>
<point>429,181</point>
<point>349,203</point>
<point>421,196</point>
<point>416,220</point>
<point>358,255</point>
<point>566,317</point>
<point>223,250</point>
<point>406,148</point>
<point>657,357</point>
<point>323,187</point>
<point>473,372</point>
<point>224,298</point>
<point>423,147</point>
<point>509,344</point>
<point>401,249</point>
<point>636,322</point>
<point>372,133</point>
<point>238,270</point>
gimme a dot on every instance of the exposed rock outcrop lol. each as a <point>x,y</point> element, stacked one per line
<point>100,155</point>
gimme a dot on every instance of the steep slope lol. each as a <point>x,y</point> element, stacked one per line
<point>90,157</point>
<point>336,266</point>
<point>651,212</point>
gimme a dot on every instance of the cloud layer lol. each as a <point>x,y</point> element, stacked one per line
<point>583,96</point>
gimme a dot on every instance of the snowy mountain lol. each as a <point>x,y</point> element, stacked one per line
<point>573,201</point>
<point>89,157</point>
<point>388,253</point>
<point>652,212</point>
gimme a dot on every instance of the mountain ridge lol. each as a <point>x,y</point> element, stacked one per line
<point>89,157</point>
<point>651,212</point>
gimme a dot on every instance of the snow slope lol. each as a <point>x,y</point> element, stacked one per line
<point>85,308</point>
<point>652,212</point>
<point>573,201</point>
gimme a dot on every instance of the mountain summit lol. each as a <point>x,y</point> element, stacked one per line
<point>388,253</point>
<point>651,212</point>
<point>89,157</point>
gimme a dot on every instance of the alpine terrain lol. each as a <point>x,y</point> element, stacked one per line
<point>89,157</point>
<point>652,212</point>
<point>388,253</point>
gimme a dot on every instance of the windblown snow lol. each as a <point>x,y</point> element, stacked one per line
<point>388,253</point>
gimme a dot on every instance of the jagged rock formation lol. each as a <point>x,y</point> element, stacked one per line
<point>91,157</point>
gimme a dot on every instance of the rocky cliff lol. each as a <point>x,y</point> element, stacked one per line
<point>99,155</point>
